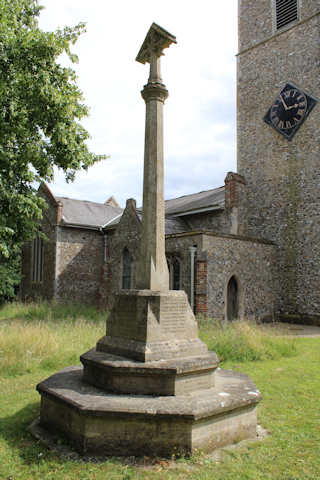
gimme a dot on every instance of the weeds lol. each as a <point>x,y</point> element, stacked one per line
<point>35,336</point>
<point>245,341</point>
<point>38,340</point>
<point>45,312</point>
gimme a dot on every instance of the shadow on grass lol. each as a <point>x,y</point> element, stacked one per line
<point>14,431</point>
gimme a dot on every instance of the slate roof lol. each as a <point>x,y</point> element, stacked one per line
<point>87,214</point>
<point>172,224</point>
<point>84,213</point>
<point>175,225</point>
<point>207,200</point>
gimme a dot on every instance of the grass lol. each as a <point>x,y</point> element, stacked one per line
<point>245,341</point>
<point>288,377</point>
<point>39,336</point>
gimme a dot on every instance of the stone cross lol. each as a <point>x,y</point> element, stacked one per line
<point>153,270</point>
<point>156,387</point>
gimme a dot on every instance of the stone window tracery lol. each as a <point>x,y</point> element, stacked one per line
<point>174,273</point>
<point>126,269</point>
<point>37,254</point>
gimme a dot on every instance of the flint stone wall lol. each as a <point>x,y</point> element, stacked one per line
<point>253,263</point>
<point>79,261</point>
<point>46,289</point>
<point>283,177</point>
<point>126,235</point>
<point>177,246</point>
<point>216,221</point>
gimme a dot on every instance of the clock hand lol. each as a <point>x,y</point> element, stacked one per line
<point>284,104</point>
<point>296,105</point>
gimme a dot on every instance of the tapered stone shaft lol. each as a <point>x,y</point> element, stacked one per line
<point>153,270</point>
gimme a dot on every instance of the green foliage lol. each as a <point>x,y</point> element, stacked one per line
<point>245,341</point>
<point>9,276</point>
<point>40,112</point>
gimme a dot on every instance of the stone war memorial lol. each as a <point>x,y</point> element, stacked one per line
<point>150,386</point>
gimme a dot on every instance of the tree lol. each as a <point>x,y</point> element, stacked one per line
<point>40,109</point>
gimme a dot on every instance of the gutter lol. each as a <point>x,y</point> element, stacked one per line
<point>78,225</point>
<point>88,227</point>
<point>199,210</point>
<point>112,220</point>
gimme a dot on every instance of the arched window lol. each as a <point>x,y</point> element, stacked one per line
<point>126,269</point>
<point>37,252</point>
<point>232,299</point>
<point>174,273</point>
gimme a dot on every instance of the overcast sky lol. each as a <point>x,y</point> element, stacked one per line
<point>199,72</point>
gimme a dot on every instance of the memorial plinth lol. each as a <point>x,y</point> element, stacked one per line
<point>150,386</point>
<point>147,325</point>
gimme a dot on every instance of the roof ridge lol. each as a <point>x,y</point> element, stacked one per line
<point>196,193</point>
<point>87,201</point>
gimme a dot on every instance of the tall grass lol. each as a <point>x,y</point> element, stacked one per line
<point>46,311</point>
<point>245,341</point>
<point>44,336</point>
<point>48,336</point>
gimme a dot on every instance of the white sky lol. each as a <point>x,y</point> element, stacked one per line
<point>199,72</point>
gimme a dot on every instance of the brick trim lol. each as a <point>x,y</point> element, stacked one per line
<point>201,288</point>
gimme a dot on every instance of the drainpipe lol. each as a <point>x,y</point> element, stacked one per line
<point>192,251</point>
<point>105,245</point>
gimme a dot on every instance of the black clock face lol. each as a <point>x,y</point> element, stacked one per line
<point>289,110</point>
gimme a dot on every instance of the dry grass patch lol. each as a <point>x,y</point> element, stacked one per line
<point>34,336</point>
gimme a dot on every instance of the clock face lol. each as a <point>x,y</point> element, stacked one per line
<point>289,110</point>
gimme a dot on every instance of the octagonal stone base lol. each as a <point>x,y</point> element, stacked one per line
<point>164,377</point>
<point>102,423</point>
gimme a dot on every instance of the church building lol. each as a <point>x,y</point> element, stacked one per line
<point>248,249</point>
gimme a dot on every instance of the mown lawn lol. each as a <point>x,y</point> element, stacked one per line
<point>36,341</point>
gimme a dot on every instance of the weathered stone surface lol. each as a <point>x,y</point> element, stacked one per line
<point>109,424</point>
<point>47,288</point>
<point>253,264</point>
<point>152,269</point>
<point>146,325</point>
<point>164,377</point>
<point>282,176</point>
<point>169,401</point>
<point>72,259</point>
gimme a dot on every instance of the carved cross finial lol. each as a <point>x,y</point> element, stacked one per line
<point>156,41</point>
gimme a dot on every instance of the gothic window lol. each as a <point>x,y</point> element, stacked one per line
<point>286,12</point>
<point>126,269</point>
<point>174,273</point>
<point>232,299</point>
<point>37,260</point>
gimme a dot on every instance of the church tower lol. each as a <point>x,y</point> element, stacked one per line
<point>279,139</point>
